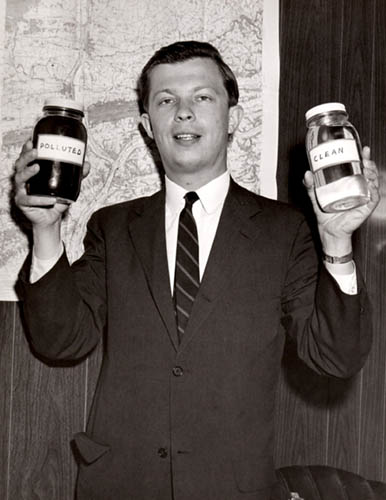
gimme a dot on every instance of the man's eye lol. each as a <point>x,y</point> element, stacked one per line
<point>204,98</point>
<point>165,101</point>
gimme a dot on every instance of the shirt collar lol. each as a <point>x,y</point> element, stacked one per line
<point>211,194</point>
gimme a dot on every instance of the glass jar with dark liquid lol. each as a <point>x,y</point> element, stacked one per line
<point>335,157</point>
<point>60,139</point>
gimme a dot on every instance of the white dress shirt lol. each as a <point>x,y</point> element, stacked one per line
<point>206,211</point>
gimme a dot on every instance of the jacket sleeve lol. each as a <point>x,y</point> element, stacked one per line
<point>332,330</point>
<point>65,310</point>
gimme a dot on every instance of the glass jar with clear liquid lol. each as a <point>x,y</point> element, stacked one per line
<point>335,157</point>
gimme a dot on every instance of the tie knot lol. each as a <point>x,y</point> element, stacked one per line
<point>190,198</point>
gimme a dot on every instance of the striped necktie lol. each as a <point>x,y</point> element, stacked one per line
<point>187,275</point>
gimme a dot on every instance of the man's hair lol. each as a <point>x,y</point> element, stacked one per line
<point>180,52</point>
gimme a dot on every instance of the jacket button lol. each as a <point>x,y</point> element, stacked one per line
<point>178,371</point>
<point>163,452</point>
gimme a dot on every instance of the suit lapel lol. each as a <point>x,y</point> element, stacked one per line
<point>147,232</point>
<point>235,233</point>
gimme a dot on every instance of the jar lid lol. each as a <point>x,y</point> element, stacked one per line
<point>63,102</point>
<point>325,108</point>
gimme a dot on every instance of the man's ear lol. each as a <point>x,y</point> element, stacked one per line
<point>146,123</point>
<point>235,116</point>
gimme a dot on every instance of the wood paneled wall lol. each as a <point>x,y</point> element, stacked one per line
<point>40,409</point>
<point>334,51</point>
<point>330,50</point>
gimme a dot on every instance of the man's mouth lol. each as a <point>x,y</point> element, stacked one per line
<point>186,137</point>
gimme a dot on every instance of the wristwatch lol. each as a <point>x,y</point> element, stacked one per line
<point>338,260</point>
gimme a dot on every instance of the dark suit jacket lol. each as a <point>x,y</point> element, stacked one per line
<point>198,416</point>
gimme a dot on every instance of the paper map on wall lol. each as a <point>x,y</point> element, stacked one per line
<point>93,51</point>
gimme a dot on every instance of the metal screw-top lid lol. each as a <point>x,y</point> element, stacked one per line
<point>325,108</point>
<point>63,102</point>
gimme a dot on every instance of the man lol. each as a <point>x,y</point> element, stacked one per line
<point>185,399</point>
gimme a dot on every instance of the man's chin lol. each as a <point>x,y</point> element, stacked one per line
<point>188,163</point>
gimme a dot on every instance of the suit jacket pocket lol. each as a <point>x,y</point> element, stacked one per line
<point>89,450</point>
<point>254,473</point>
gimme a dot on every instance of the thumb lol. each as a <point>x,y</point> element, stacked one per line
<point>86,169</point>
<point>309,184</point>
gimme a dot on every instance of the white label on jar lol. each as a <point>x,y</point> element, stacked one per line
<point>333,153</point>
<point>60,148</point>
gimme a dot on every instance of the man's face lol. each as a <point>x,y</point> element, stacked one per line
<point>189,119</point>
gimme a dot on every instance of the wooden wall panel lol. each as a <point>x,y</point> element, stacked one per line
<point>333,51</point>
<point>47,408</point>
<point>344,423</point>
<point>355,82</point>
<point>7,333</point>
<point>372,444</point>
<point>41,407</point>
<point>309,75</point>
<point>310,31</point>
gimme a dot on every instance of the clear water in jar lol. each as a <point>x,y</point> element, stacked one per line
<point>339,186</point>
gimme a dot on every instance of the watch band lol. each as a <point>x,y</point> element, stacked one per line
<point>338,260</point>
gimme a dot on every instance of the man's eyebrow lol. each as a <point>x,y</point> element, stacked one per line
<point>161,91</point>
<point>205,87</point>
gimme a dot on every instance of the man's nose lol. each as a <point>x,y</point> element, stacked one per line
<point>184,112</point>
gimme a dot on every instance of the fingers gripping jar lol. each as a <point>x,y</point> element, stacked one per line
<point>334,154</point>
<point>60,139</point>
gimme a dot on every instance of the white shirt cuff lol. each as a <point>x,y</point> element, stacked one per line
<point>347,282</point>
<point>40,267</point>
